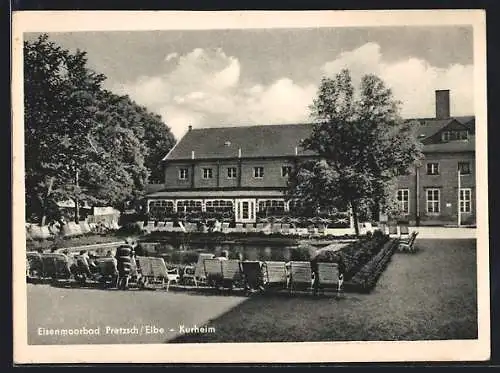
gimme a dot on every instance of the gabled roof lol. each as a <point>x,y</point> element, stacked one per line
<point>281,140</point>
<point>254,141</point>
<point>452,146</point>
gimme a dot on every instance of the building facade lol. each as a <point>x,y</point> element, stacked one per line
<point>242,172</point>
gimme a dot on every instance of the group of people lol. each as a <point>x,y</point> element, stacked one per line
<point>124,261</point>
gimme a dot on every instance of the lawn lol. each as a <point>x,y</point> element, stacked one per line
<point>431,295</point>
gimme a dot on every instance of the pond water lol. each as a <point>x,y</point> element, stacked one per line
<point>243,251</point>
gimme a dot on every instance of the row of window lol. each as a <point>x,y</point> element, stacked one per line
<point>232,172</point>
<point>433,168</point>
<point>219,205</point>
<point>454,135</point>
<point>433,200</point>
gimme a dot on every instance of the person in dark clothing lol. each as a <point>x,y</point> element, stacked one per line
<point>124,265</point>
<point>315,272</point>
<point>341,268</point>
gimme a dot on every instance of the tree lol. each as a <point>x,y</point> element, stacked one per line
<point>83,142</point>
<point>361,143</point>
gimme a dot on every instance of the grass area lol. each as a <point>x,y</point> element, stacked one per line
<point>431,295</point>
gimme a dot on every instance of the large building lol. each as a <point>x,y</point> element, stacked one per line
<point>242,171</point>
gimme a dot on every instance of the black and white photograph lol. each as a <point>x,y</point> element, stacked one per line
<point>250,186</point>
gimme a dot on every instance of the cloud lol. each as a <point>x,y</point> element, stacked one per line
<point>204,88</point>
<point>412,80</point>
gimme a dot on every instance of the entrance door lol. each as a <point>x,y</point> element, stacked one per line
<point>245,210</point>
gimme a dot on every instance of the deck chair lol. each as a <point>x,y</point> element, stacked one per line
<point>328,276</point>
<point>300,276</point>
<point>225,227</point>
<point>276,228</point>
<point>169,226</point>
<point>404,231</point>
<point>213,272</point>
<point>231,273</point>
<point>393,230</point>
<point>253,274</point>
<point>368,227</point>
<point>285,229</point>
<point>56,266</point>
<point>35,264</point>
<point>239,228</point>
<point>408,244</point>
<point>150,226</point>
<point>274,274</point>
<point>259,227</point>
<point>160,226</point>
<point>249,228</point>
<point>107,270</point>
<point>196,273</point>
<point>321,231</point>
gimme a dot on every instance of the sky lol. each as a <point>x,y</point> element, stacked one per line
<point>215,78</point>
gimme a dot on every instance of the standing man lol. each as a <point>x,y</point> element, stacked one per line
<point>124,265</point>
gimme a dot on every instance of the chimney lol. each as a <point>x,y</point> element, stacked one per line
<point>443,104</point>
<point>190,127</point>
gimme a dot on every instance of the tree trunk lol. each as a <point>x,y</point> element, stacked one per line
<point>354,208</point>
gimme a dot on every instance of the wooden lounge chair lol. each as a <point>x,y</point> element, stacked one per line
<point>196,273</point>
<point>276,228</point>
<point>285,229</point>
<point>150,227</point>
<point>35,264</point>
<point>225,227</point>
<point>328,274</point>
<point>300,276</point>
<point>231,273</point>
<point>259,227</point>
<point>275,274</point>
<point>169,226</point>
<point>404,231</point>
<point>107,270</point>
<point>56,266</point>
<point>239,228</point>
<point>160,226</point>
<point>213,272</point>
<point>249,228</point>
<point>408,245</point>
<point>155,274</point>
<point>393,230</point>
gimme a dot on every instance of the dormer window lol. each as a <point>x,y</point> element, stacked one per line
<point>454,135</point>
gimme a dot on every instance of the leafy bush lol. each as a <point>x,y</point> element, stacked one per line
<point>300,254</point>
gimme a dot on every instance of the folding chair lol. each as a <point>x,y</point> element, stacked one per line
<point>275,274</point>
<point>301,276</point>
<point>328,274</point>
<point>213,272</point>
<point>231,273</point>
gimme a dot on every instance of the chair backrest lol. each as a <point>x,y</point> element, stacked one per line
<point>169,225</point>
<point>225,226</point>
<point>368,226</point>
<point>35,261</point>
<point>259,227</point>
<point>249,227</point>
<point>276,228</point>
<point>144,266</point>
<point>239,227</point>
<point>404,229</point>
<point>328,273</point>
<point>393,228</point>
<point>213,267</point>
<point>158,267</point>
<point>107,266</point>
<point>161,224</point>
<point>231,269</point>
<point>275,272</point>
<point>285,228</point>
<point>301,272</point>
<point>200,265</point>
<point>55,265</point>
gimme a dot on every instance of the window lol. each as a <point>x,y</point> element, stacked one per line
<point>404,201</point>
<point>189,206</point>
<point>272,206</point>
<point>231,172</point>
<point>465,200</point>
<point>219,206</point>
<point>183,173</point>
<point>258,172</point>
<point>432,168</point>
<point>286,171</point>
<point>160,209</point>
<point>207,173</point>
<point>432,201</point>
<point>463,135</point>
<point>464,168</point>
<point>445,136</point>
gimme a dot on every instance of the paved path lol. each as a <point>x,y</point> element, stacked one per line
<point>444,232</point>
<point>62,308</point>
